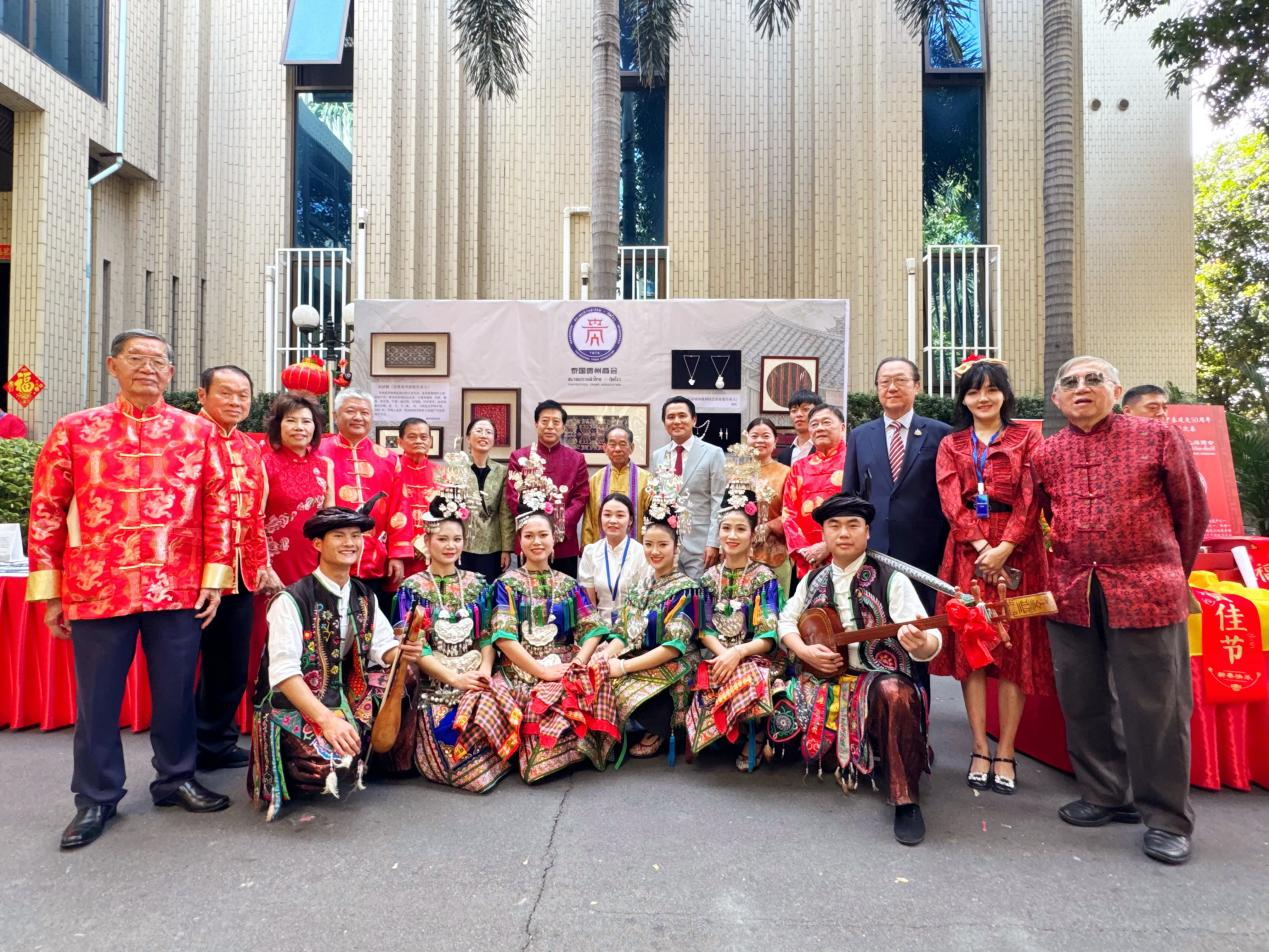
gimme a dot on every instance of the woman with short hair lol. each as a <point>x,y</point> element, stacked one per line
<point>300,482</point>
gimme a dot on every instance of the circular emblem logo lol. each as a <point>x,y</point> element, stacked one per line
<point>594,334</point>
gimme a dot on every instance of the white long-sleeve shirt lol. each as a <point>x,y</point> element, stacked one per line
<point>901,602</point>
<point>286,632</point>
<point>591,572</point>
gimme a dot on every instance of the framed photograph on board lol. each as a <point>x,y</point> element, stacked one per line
<point>437,450</point>
<point>409,354</point>
<point>589,422</point>
<point>389,437</point>
<point>501,406</point>
<point>705,370</point>
<point>783,376</point>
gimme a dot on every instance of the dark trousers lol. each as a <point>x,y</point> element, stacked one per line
<point>895,716</point>
<point>382,595</point>
<point>103,654</point>
<point>487,564</point>
<point>1147,761</point>
<point>222,677</point>
<point>566,565</point>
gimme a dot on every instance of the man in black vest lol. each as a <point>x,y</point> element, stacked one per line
<point>317,697</point>
<point>881,689</point>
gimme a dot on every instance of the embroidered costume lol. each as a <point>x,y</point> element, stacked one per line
<point>330,637</point>
<point>1013,516</point>
<point>741,605</point>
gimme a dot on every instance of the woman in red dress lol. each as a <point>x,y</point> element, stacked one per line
<point>988,496</point>
<point>300,482</point>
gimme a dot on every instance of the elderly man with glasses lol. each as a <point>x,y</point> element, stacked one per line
<point>890,462</point>
<point>1128,512</point>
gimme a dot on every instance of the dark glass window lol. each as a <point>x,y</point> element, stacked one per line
<point>964,50</point>
<point>68,36</point>
<point>642,187</point>
<point>953,163</point>
<point>323,169</point>
<point>13,15</point>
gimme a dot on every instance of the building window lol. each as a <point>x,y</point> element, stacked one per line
<point>315,31</point>
<point>643,118</point>
<point>323,168</point>
<point>148,308</point>
<point>104,377</point>
<point>66,34</point>
<point>964,50</point>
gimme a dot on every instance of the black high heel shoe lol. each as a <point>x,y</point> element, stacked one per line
<point>976,779</point>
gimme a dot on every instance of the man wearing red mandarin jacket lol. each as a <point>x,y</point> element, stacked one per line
<point>130,532</point>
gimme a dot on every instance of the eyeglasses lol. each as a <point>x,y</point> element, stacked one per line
<point>137,361</point>
<point>885,383</point>
<point>1090,379</point>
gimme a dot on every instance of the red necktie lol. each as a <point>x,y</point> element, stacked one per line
<point>678,461</point>
<point>896,450</point>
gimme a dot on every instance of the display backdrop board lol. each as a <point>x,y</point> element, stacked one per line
<point>602,359</point>
<point>1205,428</point>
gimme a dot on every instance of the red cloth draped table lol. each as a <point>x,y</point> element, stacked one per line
<point>37,671</point>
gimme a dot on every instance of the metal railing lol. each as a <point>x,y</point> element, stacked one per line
<point>962,310</point>
<point>316,276</point>
<point>643,272</point>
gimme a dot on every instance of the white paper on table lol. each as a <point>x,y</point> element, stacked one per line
<point>1242,559</point>
<point>11,542</point>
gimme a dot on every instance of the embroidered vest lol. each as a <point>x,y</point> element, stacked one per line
<point>327,672</point>
<point>869,600</point>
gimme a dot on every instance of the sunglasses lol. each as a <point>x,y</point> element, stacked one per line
<point>1092,379</point>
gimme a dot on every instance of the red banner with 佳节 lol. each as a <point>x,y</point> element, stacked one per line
<point>1233,653</point>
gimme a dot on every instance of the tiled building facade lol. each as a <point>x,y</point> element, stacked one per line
<point>792,168</point>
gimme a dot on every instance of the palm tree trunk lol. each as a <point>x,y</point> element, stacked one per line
<point>1059,195</point>
<point>605,152</point>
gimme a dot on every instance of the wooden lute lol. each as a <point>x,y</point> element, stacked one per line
<point>388,721</point>
<point>822,625</point>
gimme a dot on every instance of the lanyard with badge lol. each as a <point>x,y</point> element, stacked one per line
<point>613,587</point>
<point>981,506</point>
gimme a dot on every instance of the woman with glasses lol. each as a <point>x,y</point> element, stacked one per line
<point>988,496</point>
<point>489,530</point>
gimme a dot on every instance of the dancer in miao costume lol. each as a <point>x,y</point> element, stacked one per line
<point>731,693</point>
<point>653,651</point>
<point>451,610</point>
<point>546,630</point>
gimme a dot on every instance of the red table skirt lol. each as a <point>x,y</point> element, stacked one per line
<point>1229,743</point>
<point>37,671</point>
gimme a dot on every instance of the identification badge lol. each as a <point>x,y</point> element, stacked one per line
<point>981,509</point>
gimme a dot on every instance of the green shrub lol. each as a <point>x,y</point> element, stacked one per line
<point>254,423</point>
<point>17,470</point>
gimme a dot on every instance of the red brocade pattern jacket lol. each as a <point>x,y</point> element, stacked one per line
<point>415,488</point>
<point>242,459</point>
<point>129,512</point>
<point>1127,504</point>
<point>361,470</point>
<point>811,480</point>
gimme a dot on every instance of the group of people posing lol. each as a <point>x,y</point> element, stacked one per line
<point>466,619</point>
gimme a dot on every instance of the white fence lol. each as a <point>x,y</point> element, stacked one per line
<point>962,310</point>
<point>643,272</point>
<point>316,276</point>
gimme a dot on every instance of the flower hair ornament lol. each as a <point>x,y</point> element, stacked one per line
<point>970,359</point>
<point>744,492</point>
<point>667,501</point>
<point>451,502</point>
<point>538,493</point>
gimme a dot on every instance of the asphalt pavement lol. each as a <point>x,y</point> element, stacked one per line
<point>694,857</point>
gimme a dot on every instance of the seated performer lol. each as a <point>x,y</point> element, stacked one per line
<point>615,562</point>
<point>733,686</point>
<point>451,609</point>
<point>543,623</point>
<point>316,697</point>
<point>652,653</point>
<point>874,709</point>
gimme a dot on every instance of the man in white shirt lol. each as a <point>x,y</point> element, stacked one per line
<point>881,688</point>
<point>317,696</point>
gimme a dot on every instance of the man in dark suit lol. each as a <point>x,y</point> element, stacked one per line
<point>890,462</point>
<point>801,403</point>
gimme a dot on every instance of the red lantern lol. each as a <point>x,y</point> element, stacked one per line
<point>307,376</point>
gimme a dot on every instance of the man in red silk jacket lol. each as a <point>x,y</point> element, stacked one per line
<point>1128,516</point>
<point>130,531</point>
<point>567,468</point>
<point>415,488</point>
<point>363,468</point>
<point>812,480</point>
<point>225,395</point>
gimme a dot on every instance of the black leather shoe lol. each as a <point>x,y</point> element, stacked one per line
<point>229,760</point>
<point>195,798</point>
<point>1170,848</point>
<point>89,823</point>
<point>909,825</point>
<point>1083,813</point>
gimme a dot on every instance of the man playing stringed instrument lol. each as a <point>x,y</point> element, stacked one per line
<point>869,713</point>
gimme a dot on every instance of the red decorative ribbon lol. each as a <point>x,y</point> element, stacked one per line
<point>976,634</point>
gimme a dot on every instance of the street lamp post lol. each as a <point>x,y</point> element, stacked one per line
<point>307,320</point>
